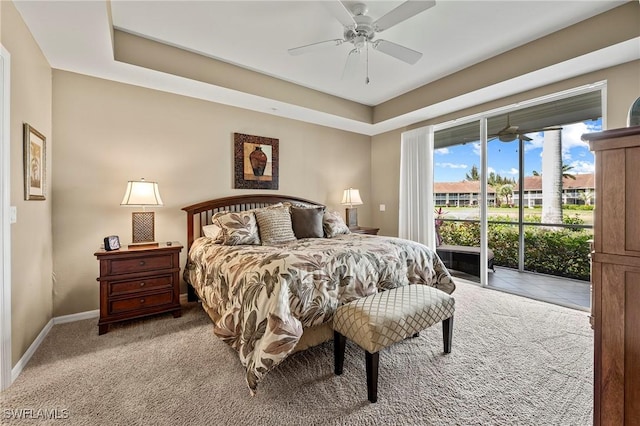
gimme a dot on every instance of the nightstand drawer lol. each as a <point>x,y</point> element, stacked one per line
<point>140,302</point>
<point>140,264</point>
<point>138,281</point>
<point>133,286</point>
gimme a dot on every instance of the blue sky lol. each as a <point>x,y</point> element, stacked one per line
<point>453,163</point>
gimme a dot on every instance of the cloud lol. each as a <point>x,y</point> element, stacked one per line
<point>491,170</point>
<point>536,143</point>
<point>452,165</point>
<point>512,171</point>
<point>442,151</point>
<point>571,134</point>
<point>580,167</point>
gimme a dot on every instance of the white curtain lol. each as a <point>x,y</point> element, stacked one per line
<point>416,221</point>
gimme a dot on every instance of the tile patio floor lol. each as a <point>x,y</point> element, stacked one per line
<point>560,291</point>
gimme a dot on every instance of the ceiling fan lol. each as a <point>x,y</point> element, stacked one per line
<point>360,30</point>
<point>510,132</point>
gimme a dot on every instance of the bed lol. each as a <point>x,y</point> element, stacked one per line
<point>274,293</point>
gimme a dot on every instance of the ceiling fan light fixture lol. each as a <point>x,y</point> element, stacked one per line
<point>359,42</point>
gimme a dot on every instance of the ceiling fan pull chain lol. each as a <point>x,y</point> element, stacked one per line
<point>367,79</point>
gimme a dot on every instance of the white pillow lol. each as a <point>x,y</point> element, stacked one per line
<point>212,231</point>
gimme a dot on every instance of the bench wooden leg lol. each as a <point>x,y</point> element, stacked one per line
<point>447,334</point>
<point>339,343</point>
<point>372,375</point>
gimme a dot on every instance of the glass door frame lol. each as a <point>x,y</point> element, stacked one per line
<point>483,118</point>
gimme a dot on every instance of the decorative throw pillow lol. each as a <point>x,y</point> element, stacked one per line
<point>213,231</point>
<point>307,222</point>
<point>274,225</point>
<point>239,228</point>
<point>333,224</point>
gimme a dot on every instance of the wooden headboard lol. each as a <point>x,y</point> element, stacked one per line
<point>200,214</point>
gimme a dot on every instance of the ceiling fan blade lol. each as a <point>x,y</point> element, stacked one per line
<point>351,64</point>
<point>399,52</point>
<point>315,46</point>
<point>525,138</point>
<point>341,13</point>
<point>401,13</point>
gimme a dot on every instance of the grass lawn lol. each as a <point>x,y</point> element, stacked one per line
<point>474,213</point>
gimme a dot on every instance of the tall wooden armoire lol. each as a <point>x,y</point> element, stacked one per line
<point>615,276</point>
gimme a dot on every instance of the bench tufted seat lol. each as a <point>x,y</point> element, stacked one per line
<point>380,320</point>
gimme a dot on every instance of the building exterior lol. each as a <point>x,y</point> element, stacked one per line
<point>467,193</point>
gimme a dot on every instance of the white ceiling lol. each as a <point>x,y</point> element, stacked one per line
<point>452,35</point>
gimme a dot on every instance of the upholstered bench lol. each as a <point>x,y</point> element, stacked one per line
<point>377,321</point>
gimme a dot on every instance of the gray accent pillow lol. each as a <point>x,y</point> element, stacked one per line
<point>334,224</point>
<point>275,226</point>
<point>307,221</point>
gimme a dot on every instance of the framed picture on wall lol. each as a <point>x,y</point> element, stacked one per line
<point>255,162</point>
<point>35,164</point>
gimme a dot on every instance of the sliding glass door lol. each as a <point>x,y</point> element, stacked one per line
<point>519,182</point>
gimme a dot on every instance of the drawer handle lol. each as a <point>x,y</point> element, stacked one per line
<point>142,263</point>
<point>141,301</point>
<point>142,284</point>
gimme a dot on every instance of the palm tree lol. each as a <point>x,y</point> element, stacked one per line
<point>505,191</point>
<point>552,177</point>
<point>587,196</point>
<point>565,172</point>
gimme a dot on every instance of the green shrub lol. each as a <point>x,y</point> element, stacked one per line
<point>577,207</point>
<point>560,252</point>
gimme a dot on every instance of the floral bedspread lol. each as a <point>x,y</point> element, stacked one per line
<point>263,296</point>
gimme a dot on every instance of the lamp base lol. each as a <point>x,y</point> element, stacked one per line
<point>143,227</point>
<point>352,217</point>
<point>142,245</point>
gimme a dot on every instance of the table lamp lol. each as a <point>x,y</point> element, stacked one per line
<point>142,194</point>
<point>351,197</point>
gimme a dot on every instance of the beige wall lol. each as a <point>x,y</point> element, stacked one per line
<point>623,87</point>
<point>108,133</point>
<point>31,236</point>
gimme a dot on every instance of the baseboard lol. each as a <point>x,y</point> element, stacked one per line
<point>63,319</point>
<point>17,369</point>
<point>76,317</point>
<point>22,363</point>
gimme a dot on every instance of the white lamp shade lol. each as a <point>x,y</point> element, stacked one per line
<point>351,197</point>
<point>141,194</point>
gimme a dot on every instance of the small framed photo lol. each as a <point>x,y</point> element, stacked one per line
<point>35,164</point>
<point>255,162</point>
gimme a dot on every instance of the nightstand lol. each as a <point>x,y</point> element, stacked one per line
<point>364,230</point>
<point>137,282</point>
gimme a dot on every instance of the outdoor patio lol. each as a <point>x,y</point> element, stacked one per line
<point>560,291</point>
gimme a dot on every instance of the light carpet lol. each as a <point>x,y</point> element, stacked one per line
<point>514,361</point>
